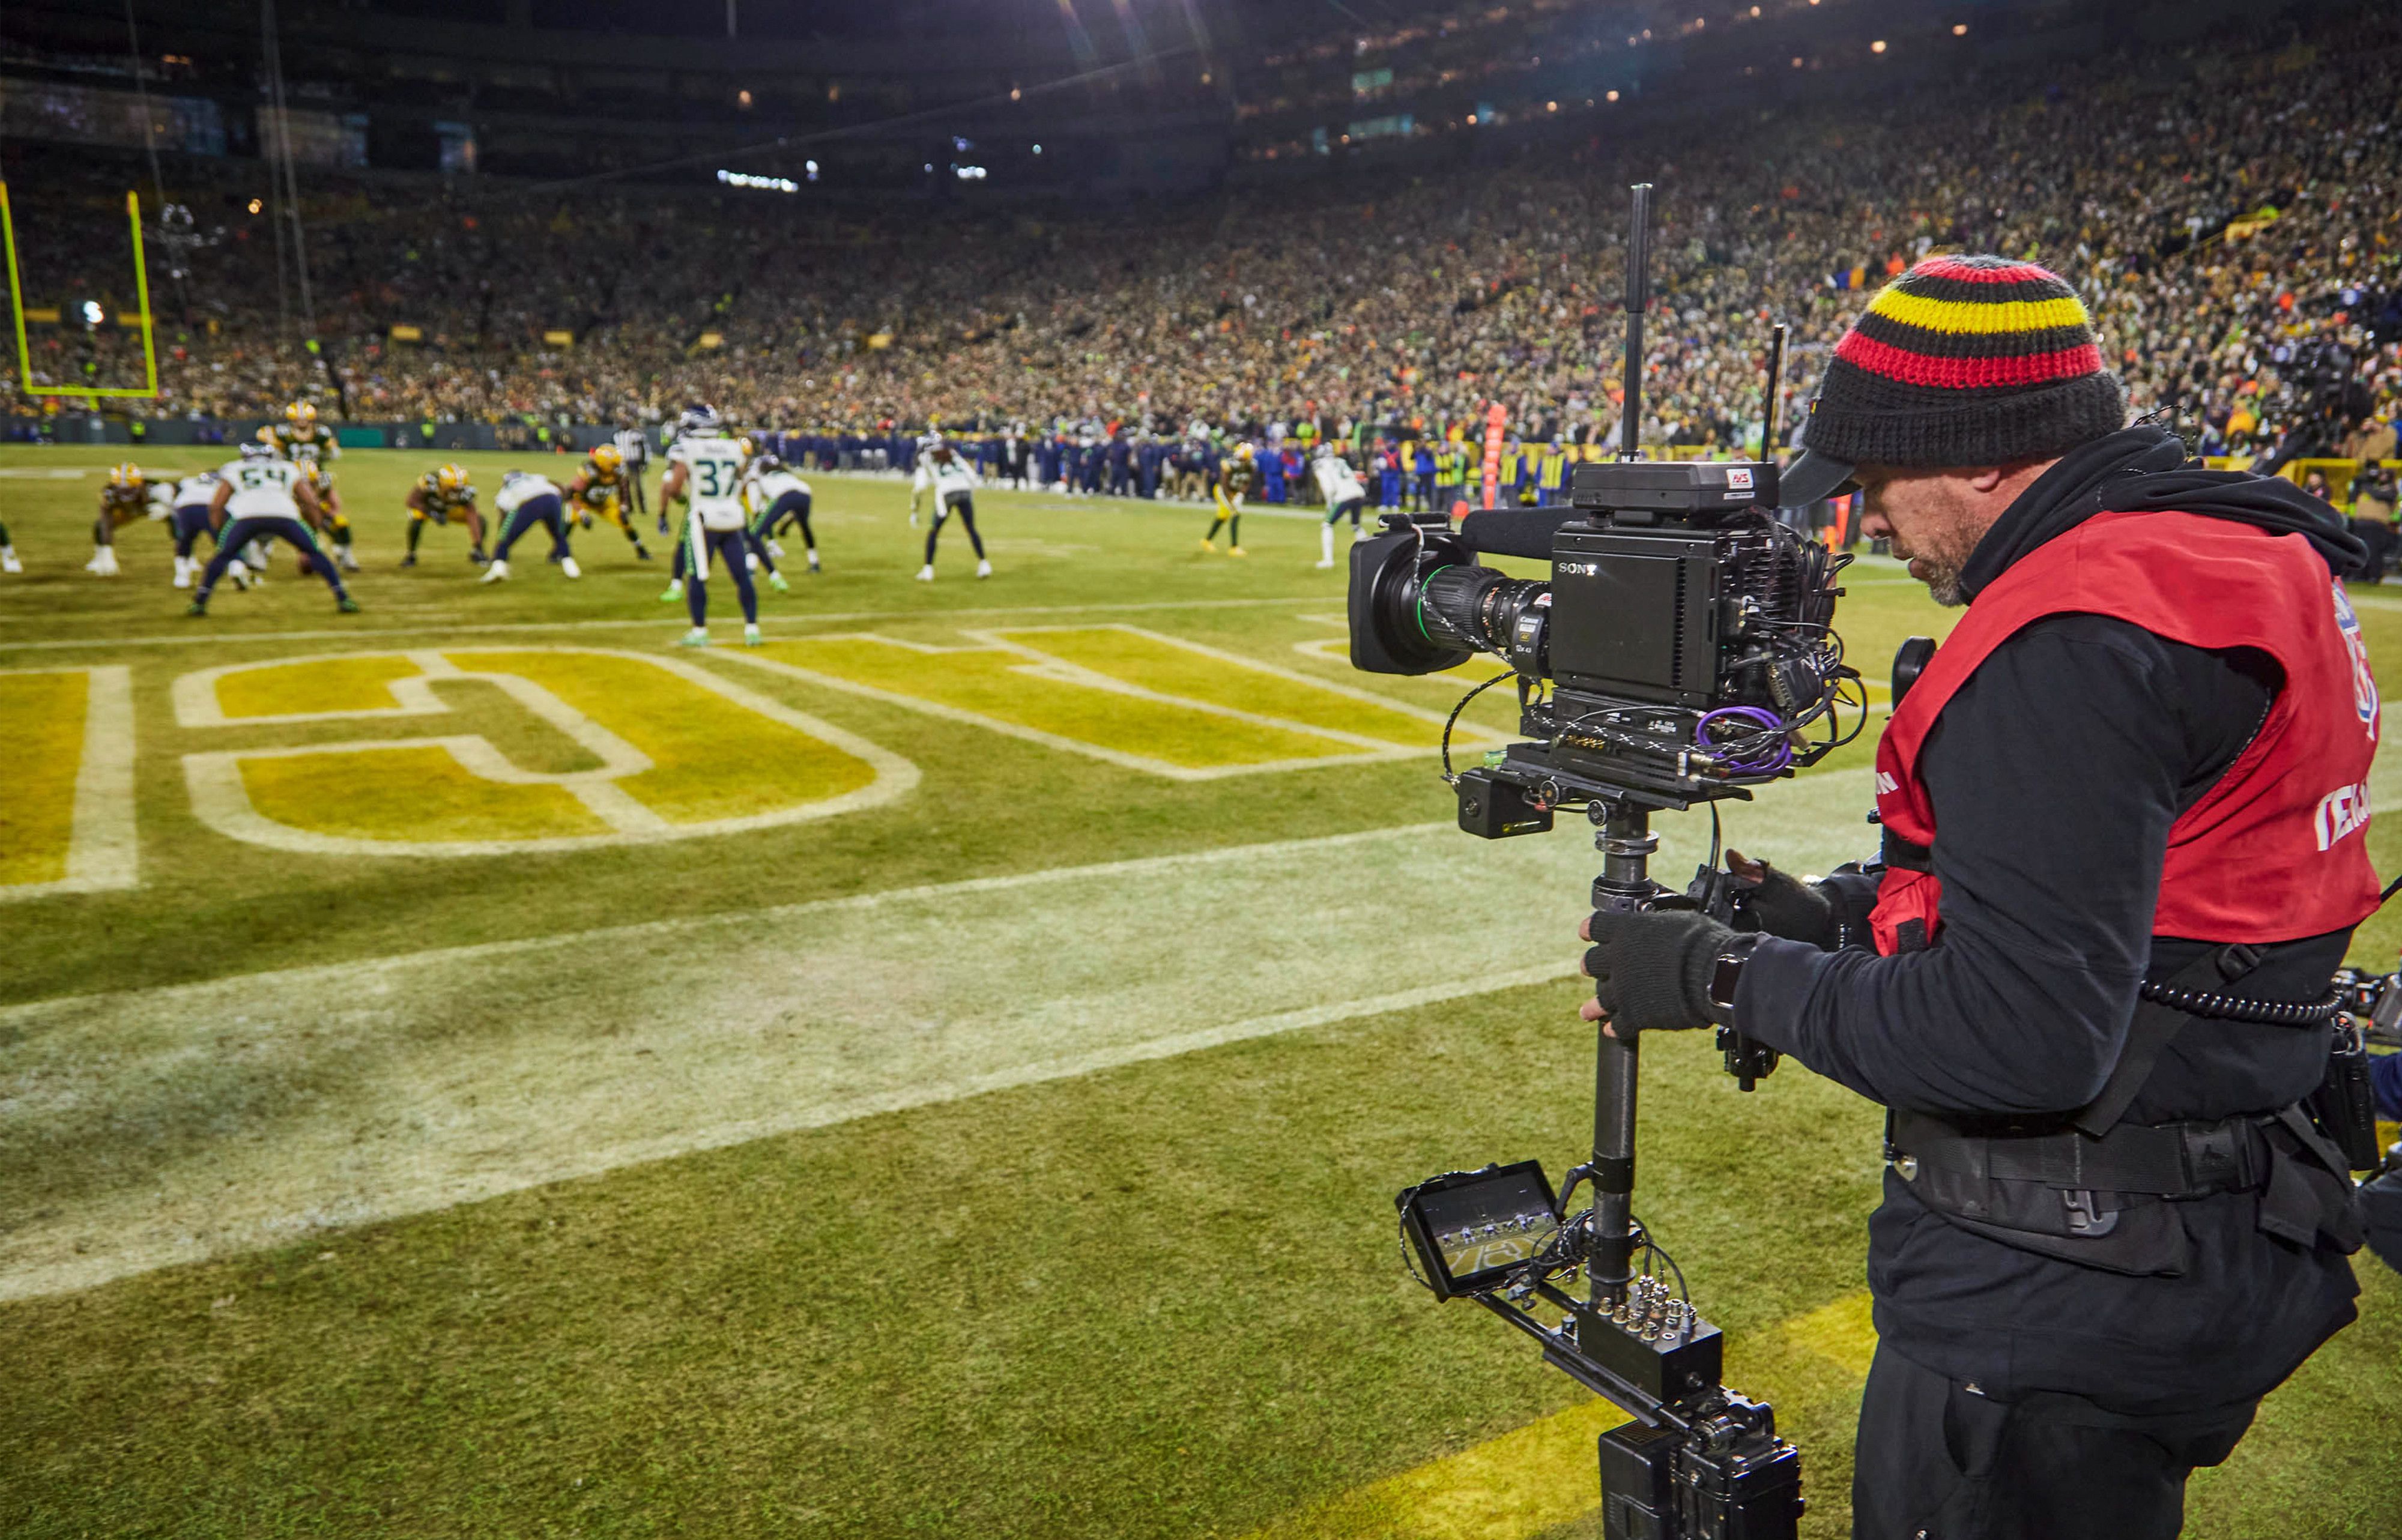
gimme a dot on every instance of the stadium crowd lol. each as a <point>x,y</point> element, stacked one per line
<point>2215,230</point>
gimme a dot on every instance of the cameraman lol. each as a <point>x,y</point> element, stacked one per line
<point>2108,1229</point>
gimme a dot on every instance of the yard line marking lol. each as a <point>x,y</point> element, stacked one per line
<point>103,850</point>
<point>145,1128</point>
<point>849,617</point>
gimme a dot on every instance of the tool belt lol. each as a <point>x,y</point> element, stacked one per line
<point>2109,1200</point>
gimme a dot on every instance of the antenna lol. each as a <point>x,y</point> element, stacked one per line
<point>1638,299</point>
<point>1775,382</point>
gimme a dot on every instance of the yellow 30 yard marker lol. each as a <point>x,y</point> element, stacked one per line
<point>142,293</point>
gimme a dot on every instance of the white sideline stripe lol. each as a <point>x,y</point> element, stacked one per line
<point>221,798</point>
<point>849,617</point>
<point>145,1128</point>
<point>103,850</point>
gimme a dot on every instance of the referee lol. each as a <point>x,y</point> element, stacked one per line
<point>2124,815</point>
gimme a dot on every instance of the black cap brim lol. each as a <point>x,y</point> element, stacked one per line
<point>1812,477</point>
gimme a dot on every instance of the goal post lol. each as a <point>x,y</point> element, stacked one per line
<point>142,295</point>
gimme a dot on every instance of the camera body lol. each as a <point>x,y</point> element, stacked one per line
<point>1677,652</point>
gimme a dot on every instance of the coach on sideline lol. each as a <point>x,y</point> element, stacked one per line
<point>2108,1229</point>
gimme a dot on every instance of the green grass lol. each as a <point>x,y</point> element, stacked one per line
<point>1157,1299</point>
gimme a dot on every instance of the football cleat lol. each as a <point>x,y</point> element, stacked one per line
<point>775,550</point>
<point>104,561</point>
<point>983,569</point>
<point>1236,551</point>
<point>1324,564</point>
<point>477,557</point>
<point>346,604</point>
<point>8,562</point>
<point>497,573</point>
<point>674,592</point>
<point>198,606</point>
<point>776,581</point>
<point>344,560</point>
<point>409,560</point>
<point>1209,547</point>
<point>641,552</point>
<point>751,637</point>
<point>696,637</point>
<point>926,573</point>
<point>567,565</point>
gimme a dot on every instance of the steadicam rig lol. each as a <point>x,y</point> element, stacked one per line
<point>1680,651</point>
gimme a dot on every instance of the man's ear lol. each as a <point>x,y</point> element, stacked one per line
<point>1984,478</point>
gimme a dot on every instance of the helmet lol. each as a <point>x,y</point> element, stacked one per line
<point>699,418</point>
<point>451,478</point>
<point>766,462</point>
<point>1243,452</point>
<point>608,459</point>
<point>126,476</point>
<point>258,451</point>
<point>300,414</point>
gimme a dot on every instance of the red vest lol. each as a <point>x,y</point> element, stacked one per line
<point>2278,848</point>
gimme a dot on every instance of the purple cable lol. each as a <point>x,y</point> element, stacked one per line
<point>1754,716</point>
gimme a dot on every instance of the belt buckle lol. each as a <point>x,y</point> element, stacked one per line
<point>2215,1157</point>
<point>2086,1219</point>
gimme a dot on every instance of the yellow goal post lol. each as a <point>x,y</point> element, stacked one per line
<point>142,293</point>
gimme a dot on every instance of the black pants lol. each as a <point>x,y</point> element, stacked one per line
<point>734,546</point>
<point>237,534</point>
<point>948,503</point>
<point>545,512</point>
<point>1937,1461</point>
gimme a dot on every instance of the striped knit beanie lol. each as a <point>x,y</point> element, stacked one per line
<point>1966,361</point>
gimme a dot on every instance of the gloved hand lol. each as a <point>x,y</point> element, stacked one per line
<point>1651,968</point>
<point>1784,904</point>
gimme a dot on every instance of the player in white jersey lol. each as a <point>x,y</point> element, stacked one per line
<point>261,498</point>
<point>777,498</point>
<point>953,481</point>
<point>195,495</point>
<point>528,500</point>
<point>1339,485</point>
<point>705,472</point>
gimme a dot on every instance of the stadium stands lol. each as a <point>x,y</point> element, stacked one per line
<point>2215,225</point>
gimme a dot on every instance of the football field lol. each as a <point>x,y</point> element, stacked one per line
<point>474,1068</point>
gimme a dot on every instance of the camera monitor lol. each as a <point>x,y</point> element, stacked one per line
<point>1471,1227</point>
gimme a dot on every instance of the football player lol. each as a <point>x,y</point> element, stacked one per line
<point>8,562</point>
<point>262,497</point>
<point>194,497</point>
<point>705,472</point>
<point>525,501</point>
<point>442,494</point>
<point>604,486</point>
<point>953,482</point>
<point>311,445</point>
<point>1339,485</point>
<point>777,497</point>
<point>1234,484</point>
<point>131,494</point>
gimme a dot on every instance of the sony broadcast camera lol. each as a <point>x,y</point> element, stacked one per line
<point>1679,651</point>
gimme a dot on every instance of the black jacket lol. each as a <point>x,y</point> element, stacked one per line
<point>2056,772</point>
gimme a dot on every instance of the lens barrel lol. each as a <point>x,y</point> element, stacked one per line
<point>1490,611</point>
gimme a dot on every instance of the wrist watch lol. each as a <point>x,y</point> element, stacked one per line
<point>1728,970</point>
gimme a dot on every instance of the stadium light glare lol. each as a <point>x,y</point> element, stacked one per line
<point>1959,29</point>
<point>1877,46</point>
<point>742,98</point>
<point>969,173</point>
<point>1013,93</point>
<point>255,205</point>
<point>1796,64</point>
<point>1614,96</point>
<point>1551,107</point>
<point>810,169</point>
<point>1038,149</point>
<point>765,183</point>
<point>92,314</point>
